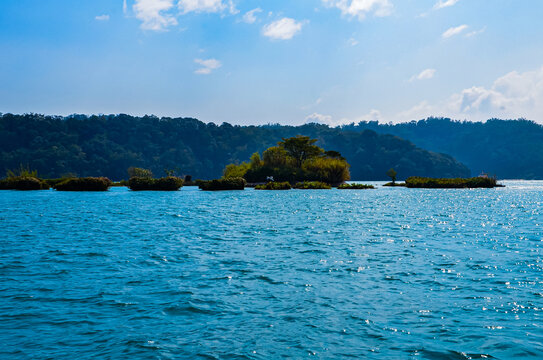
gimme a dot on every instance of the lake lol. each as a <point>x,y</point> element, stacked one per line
<point>387,273</point>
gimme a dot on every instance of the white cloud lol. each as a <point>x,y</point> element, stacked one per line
<point>476,32</point>
<point>373,115</point>
<point>361,8</point>
<point>153,14</point>
<point>454,31</point>
<point>513,95</point>
<point>444,3</point>
<point>424,75</point>
<point>158,15</point>
<point>352,42</point>
<point>319,119</point>
<point>283,29</point>
<point>102,17</point>
<point>315,103</point>
<point>209,6</point>
<point>125,7</point>
<point>207,66</point>
<point>250,16</point>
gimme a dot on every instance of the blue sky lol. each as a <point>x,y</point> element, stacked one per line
<point>275,61</point>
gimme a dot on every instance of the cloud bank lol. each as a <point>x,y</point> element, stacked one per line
<point>514,95</point>
<point>159,15</point>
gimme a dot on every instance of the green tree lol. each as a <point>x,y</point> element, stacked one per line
<point>275,157</point>
<point>333,154</point>
<point>139,172</point>
<point>332,171</point>
<point>236,171</point>
<point>300,148</point>
<point>391,173</point>
<point>256,162</point>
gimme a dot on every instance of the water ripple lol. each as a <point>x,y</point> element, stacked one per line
<point>388,273</point>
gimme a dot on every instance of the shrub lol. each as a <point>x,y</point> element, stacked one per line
<point>274,186</point>
<point>23,179</point>
<point>22,172</point>
<point>139,172</point>
<point>223,184</point>
<point>235,171</point>
<point>23,183</point>
<point>329,170</point>
<point>355,186</point>
<point>170,183</point>
<point>391,184</point>
<point>83,184</point>
<point>306,185</point>
<point>458,183</point>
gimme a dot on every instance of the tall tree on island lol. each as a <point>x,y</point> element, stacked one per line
<point>392,174</point>
<point>301,148</point>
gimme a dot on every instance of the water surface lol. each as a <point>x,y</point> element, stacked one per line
<point>385,273</point>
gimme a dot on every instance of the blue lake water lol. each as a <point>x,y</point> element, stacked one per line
<point>385,273</point>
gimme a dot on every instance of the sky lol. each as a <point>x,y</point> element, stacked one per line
<point>274,61</point>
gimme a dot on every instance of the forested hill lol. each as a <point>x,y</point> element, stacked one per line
<point>510,149</point>
<point>108,145</point>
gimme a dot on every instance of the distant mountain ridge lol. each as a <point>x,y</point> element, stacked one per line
<point>509,149</point>
<point>107,145</point>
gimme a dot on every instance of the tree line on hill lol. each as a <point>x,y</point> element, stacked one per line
<point>509,149</point>
<point>106,145</point>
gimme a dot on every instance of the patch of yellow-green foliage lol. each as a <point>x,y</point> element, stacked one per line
<point>274,186</point>
<point>312,185</point>
<point>355,187</point>
<point>457,183</point>
<point>23,179</point>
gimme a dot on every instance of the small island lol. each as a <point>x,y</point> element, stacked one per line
<point>83,184</point>
<point>285,185</point>
<point>457,183</point>
<point>143,180</point>
<point>23,179</point>
<point>355,187</point>
<point>233,183</point>
<point>296,160</point>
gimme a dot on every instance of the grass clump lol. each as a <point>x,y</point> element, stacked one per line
<point>274,186</point>
<point>23,179</point>
<point>355,187</point>
<point>23,183</point>
<point>83,184</point>
<point>457,183</point>
<point>235,183</point>
<point>313,185</point>
<point>169,183</point>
